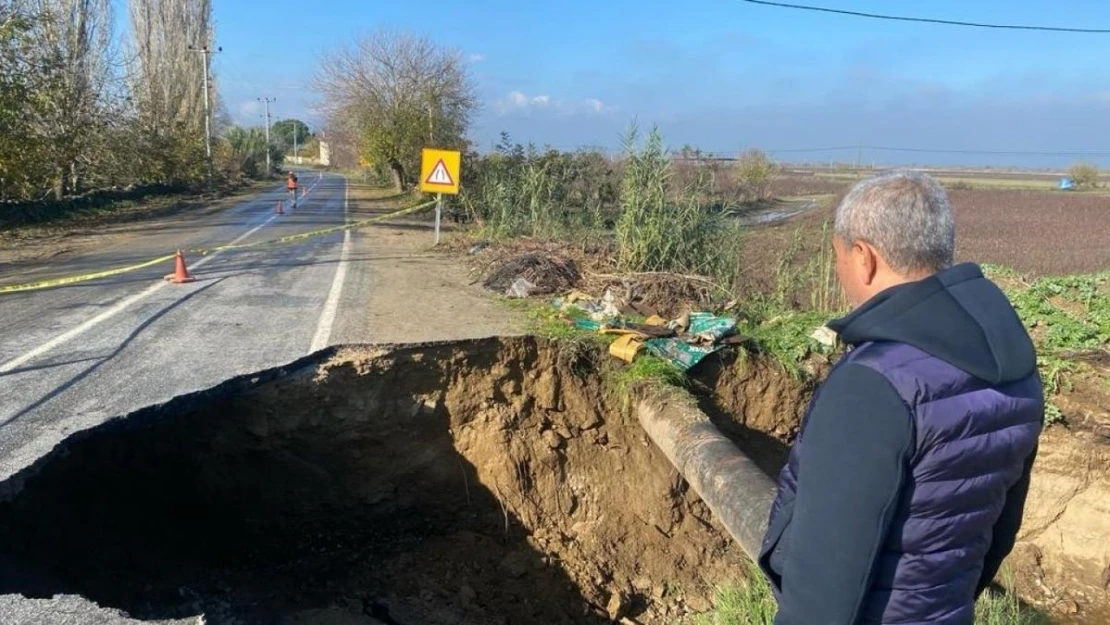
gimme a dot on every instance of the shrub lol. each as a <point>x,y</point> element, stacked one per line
<point>518,190</point>
<point>1084,175</point>
<point>754,173</point>
<point>656,232</point>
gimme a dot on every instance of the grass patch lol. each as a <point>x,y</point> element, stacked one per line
<point>650,370</point>
<point>963,182</point>
<point>521,190</point>
<point>545,321</point>
<point>785,335</point>
<point>1064,315</point>
<point>750,602</point>
<point>1006,609</point>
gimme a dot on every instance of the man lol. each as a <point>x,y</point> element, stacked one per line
<point>905,488</point>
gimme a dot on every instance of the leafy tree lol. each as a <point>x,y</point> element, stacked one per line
<point>18,147</point>
<point>283,132</point>
<point>243,152</point>
<point>396,93</point>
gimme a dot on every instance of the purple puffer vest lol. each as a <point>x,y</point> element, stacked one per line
<point>971,443</point>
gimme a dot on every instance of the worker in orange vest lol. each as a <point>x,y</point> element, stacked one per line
<point>291,185</point>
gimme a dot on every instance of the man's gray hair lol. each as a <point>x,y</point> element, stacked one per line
<point>905,215</point>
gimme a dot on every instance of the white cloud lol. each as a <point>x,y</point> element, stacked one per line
<point>476,58</point>
<point>597,106</point>
<point>248,110</point>
<point>519,102</point>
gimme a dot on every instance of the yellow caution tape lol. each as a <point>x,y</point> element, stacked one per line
<point>315,233</point>
<point>107,273</point>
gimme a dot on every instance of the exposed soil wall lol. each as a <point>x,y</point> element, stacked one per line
<point>478,482</point>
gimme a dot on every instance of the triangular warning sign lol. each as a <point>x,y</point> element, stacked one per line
<point>440,175</point>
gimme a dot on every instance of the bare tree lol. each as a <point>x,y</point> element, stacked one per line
<point>73,57</point>
<point>396,93</point>
<point>168,80</point>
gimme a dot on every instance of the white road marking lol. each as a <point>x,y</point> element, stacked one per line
<point>331,305</point>
<point>76,331</point>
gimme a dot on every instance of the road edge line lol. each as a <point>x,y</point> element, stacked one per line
<point>331,304</point>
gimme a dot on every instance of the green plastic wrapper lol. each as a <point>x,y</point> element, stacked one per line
<point>680,353</point>
<point>710,328</point>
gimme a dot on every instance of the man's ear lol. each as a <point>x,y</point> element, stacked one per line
<point>868,261</point>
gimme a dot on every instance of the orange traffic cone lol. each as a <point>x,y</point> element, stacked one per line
<point>180,274</point>
<point>278,209</point>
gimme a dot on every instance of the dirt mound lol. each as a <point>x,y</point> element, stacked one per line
<point>546,273</point>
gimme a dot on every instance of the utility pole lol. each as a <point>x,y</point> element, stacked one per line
<point>295,143</point>
<point>859,159</point>
<point>269,168</point>
<point>207,110</point>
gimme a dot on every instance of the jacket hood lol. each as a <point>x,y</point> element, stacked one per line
<point>956,315</point>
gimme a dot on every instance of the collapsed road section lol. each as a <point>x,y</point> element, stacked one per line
<point>491,481</point>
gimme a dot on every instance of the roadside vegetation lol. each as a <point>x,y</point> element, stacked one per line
<point>666,221</point>
<point>1068,318</point>
<point>647,213</point>
<point>387,95</point>
<point>750,602</point>
<point>93,119</point>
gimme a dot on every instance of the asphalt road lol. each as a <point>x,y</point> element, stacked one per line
<point>74,356</point>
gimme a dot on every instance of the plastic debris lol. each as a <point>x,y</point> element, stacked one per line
<point>825,336</point>
<point>626,347</point>
<point>520,287</point>
<point>682,354</point>
<point>603,309</point>
<point>709,328</point>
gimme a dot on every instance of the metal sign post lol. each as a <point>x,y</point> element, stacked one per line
<point>439,174</point>
<point>439,213</point>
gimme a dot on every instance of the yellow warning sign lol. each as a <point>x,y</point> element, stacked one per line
<point>439,171</point>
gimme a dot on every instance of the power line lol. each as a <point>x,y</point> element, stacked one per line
<point>883,148</point>
<point>926,20</point>
<point>838,148</point>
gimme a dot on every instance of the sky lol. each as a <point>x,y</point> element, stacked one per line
<point>721,75</point>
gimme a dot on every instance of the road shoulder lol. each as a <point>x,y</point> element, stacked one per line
<point>410,292</point>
